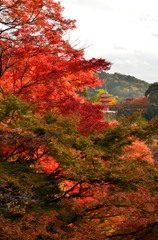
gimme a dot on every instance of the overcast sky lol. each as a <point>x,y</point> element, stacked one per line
<point>125,32</point>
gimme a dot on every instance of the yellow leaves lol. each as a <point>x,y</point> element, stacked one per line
<point>15,208</point>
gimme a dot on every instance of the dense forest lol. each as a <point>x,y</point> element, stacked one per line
<point>124,86</point>
<point>120,85</point>
<point>66,173</point>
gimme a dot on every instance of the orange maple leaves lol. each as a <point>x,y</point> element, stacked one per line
<point>37,63</point>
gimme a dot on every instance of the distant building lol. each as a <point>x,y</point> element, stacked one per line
<point>109,115</point>
<point>105,100</point>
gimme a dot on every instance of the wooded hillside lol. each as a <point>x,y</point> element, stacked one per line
<point>65,172</point>
<point>122,85</point>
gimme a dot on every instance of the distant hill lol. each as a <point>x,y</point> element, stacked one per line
<point>123,85</point>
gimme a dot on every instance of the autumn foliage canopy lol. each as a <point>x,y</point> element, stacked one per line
<point>66,173</point>
<point>37,61</point>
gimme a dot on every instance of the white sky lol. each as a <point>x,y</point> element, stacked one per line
<point>125,32</point>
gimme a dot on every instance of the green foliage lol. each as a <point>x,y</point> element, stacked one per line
<point>50,118</point>
<point>152,93</point>
<point>12,107</point>
<point>57,182</point>
<point>151,111</point>
<point>124,86</point>
<point>39,131</point>
<point>33,198</point>
<point>94,94</point>
<point>24,190</point>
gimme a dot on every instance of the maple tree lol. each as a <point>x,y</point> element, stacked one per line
<point>66,174</point>
<point>94,183</point>
<point>37,62</point>
<point>131,106</point>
